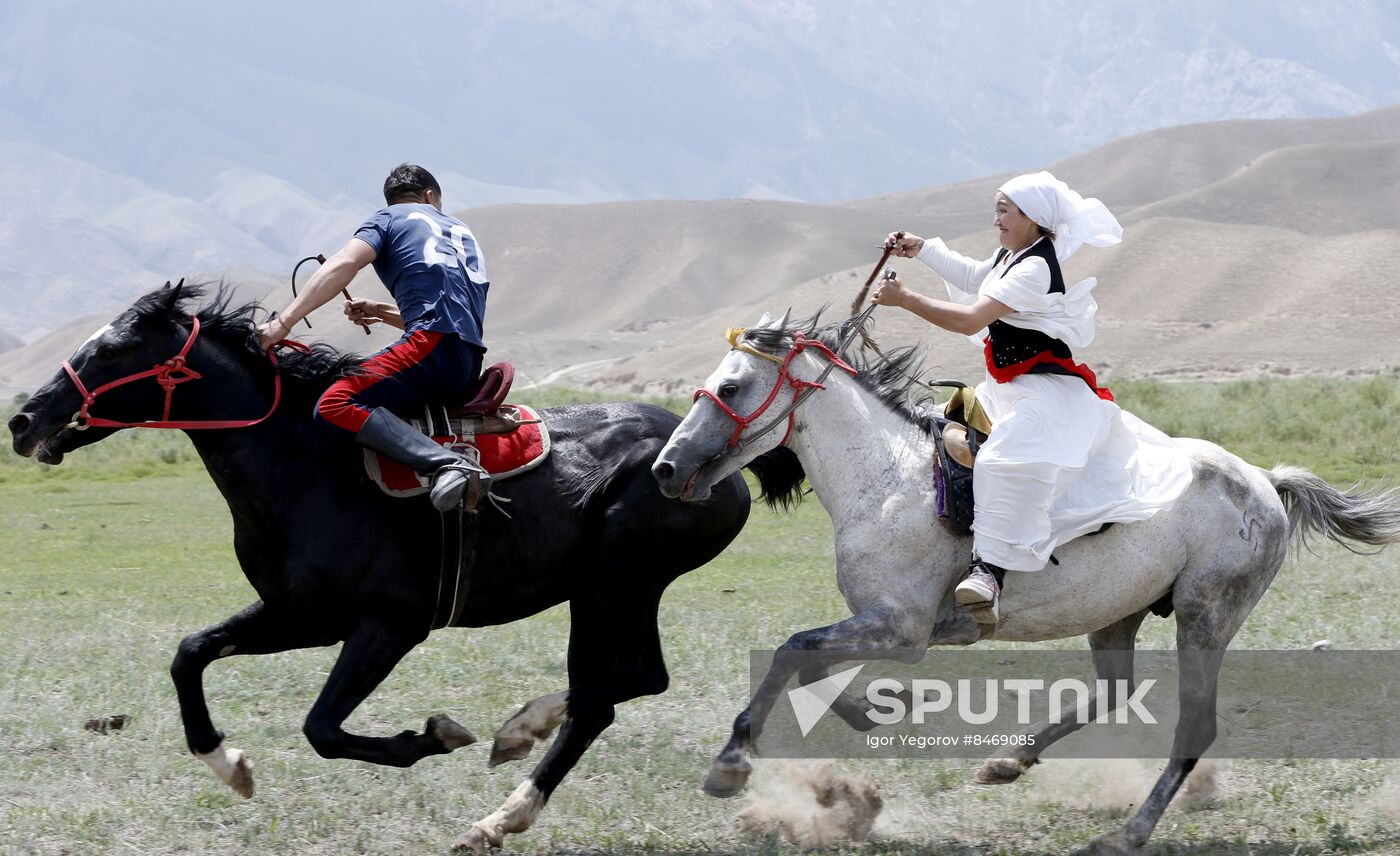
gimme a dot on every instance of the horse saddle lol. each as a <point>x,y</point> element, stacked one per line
<point>957,434</point>
<point>507,439</point>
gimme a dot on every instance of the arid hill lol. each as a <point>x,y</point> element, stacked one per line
<point>1251,247</point>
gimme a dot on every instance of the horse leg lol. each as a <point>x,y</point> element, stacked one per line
<point>852,709</point>
<point>614,655</point>
<point>1112,649</point>
<point>1209,612</point>
<point>367,658</point>
<point>255,630</point>
<point>879,629</point>
<point>533,722</point>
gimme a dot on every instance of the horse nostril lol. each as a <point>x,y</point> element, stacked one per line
<point>20,423</point>
<point>663,471</point>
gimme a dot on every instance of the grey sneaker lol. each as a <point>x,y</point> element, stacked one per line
<point>980,591</point>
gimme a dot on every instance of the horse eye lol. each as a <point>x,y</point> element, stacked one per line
<point>728,390</point>
<point>112,346</point>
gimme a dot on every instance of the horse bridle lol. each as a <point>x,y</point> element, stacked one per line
<point>801,388</point>
<point>170,374</point>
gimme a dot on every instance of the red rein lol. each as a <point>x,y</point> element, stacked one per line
<point>741,423</point>
<point>170,374</point>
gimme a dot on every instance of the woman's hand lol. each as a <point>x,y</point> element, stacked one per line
<point>890,292</point>
<point>904,245</point>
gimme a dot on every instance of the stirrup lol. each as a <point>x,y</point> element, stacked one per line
<point>464,492</point>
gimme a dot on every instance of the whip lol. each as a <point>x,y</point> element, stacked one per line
<point>320,258</point>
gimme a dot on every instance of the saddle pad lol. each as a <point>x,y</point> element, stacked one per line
<point>503,456</point>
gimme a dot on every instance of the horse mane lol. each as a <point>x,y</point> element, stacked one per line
<point>233,326</point>
<point>892,377</point>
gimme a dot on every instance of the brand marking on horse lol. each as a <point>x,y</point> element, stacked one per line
<point>1247,531</point>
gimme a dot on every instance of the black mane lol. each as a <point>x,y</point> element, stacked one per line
<point>892,377</point>
<point>233,326</point>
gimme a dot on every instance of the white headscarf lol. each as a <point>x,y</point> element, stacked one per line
<point>1074,220</point>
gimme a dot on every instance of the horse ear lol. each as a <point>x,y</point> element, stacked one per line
<point>783,321</point>
<point>762,322</point>
<point>169,295</point>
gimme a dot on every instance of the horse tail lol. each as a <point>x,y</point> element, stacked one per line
<point>1314,507</point>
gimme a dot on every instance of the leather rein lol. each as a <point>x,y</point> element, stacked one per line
<point>170,374</point>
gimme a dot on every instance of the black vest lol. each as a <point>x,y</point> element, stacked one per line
<point>1012,344</point>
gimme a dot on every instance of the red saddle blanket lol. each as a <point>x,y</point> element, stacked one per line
<point>503,455</point>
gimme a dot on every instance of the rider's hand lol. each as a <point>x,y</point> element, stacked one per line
<point>904,245</point>
<point>272,332</point>
<point>362,310</point>
<point>890,292</point>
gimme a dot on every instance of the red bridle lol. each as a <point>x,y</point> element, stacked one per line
<point>800,344</point>
<point>170,374</point>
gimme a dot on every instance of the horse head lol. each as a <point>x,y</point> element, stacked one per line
<point>725,428</point>
<point>150,333</point>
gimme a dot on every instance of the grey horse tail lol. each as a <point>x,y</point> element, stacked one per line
<point>1350,517</point>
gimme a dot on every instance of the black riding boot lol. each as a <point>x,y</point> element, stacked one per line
<point>453,475</point>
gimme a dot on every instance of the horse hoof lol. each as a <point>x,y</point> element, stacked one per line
<point>1115,843</point>
<point>475,841</point>
<point>1000,771</point>
<point>231,767</point>
<point>448,732</point>
<point>503,750</point>
<point>535,721</point>
<point>242,778</point>
<point>727,779</point>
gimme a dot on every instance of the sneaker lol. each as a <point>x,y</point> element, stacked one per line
<point>980,591</point>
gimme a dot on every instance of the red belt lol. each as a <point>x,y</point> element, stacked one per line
<point>1003,374</point>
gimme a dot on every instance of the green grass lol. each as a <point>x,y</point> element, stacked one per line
<point>104,567</point>
<point>1345,430</point>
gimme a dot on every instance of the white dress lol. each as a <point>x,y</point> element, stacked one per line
<point>1060,461</point>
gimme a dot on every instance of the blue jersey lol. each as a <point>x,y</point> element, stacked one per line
<point>432,266</point>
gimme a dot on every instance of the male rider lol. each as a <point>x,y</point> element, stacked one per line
<point>432,267</point>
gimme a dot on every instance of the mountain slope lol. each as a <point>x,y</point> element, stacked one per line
<point>1272,252</point>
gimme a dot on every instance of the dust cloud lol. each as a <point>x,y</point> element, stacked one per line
<point>1116,785</point>
<point>812,805</point>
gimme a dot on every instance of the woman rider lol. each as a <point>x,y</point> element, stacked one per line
<point>1062,458</point>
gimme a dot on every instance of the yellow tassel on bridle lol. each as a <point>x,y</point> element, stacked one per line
<point>734,334</point>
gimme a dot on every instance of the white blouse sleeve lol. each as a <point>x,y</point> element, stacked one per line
<point>961,274</point>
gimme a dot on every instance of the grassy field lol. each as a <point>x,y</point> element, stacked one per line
<point>107,561</point>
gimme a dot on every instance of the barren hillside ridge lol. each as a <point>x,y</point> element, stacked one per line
<point>1251,247</point>
<point>1156,166</point>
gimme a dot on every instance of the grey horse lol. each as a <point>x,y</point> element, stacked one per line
<point>867,456</point>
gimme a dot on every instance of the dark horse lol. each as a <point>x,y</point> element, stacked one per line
<point>589,526</point>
